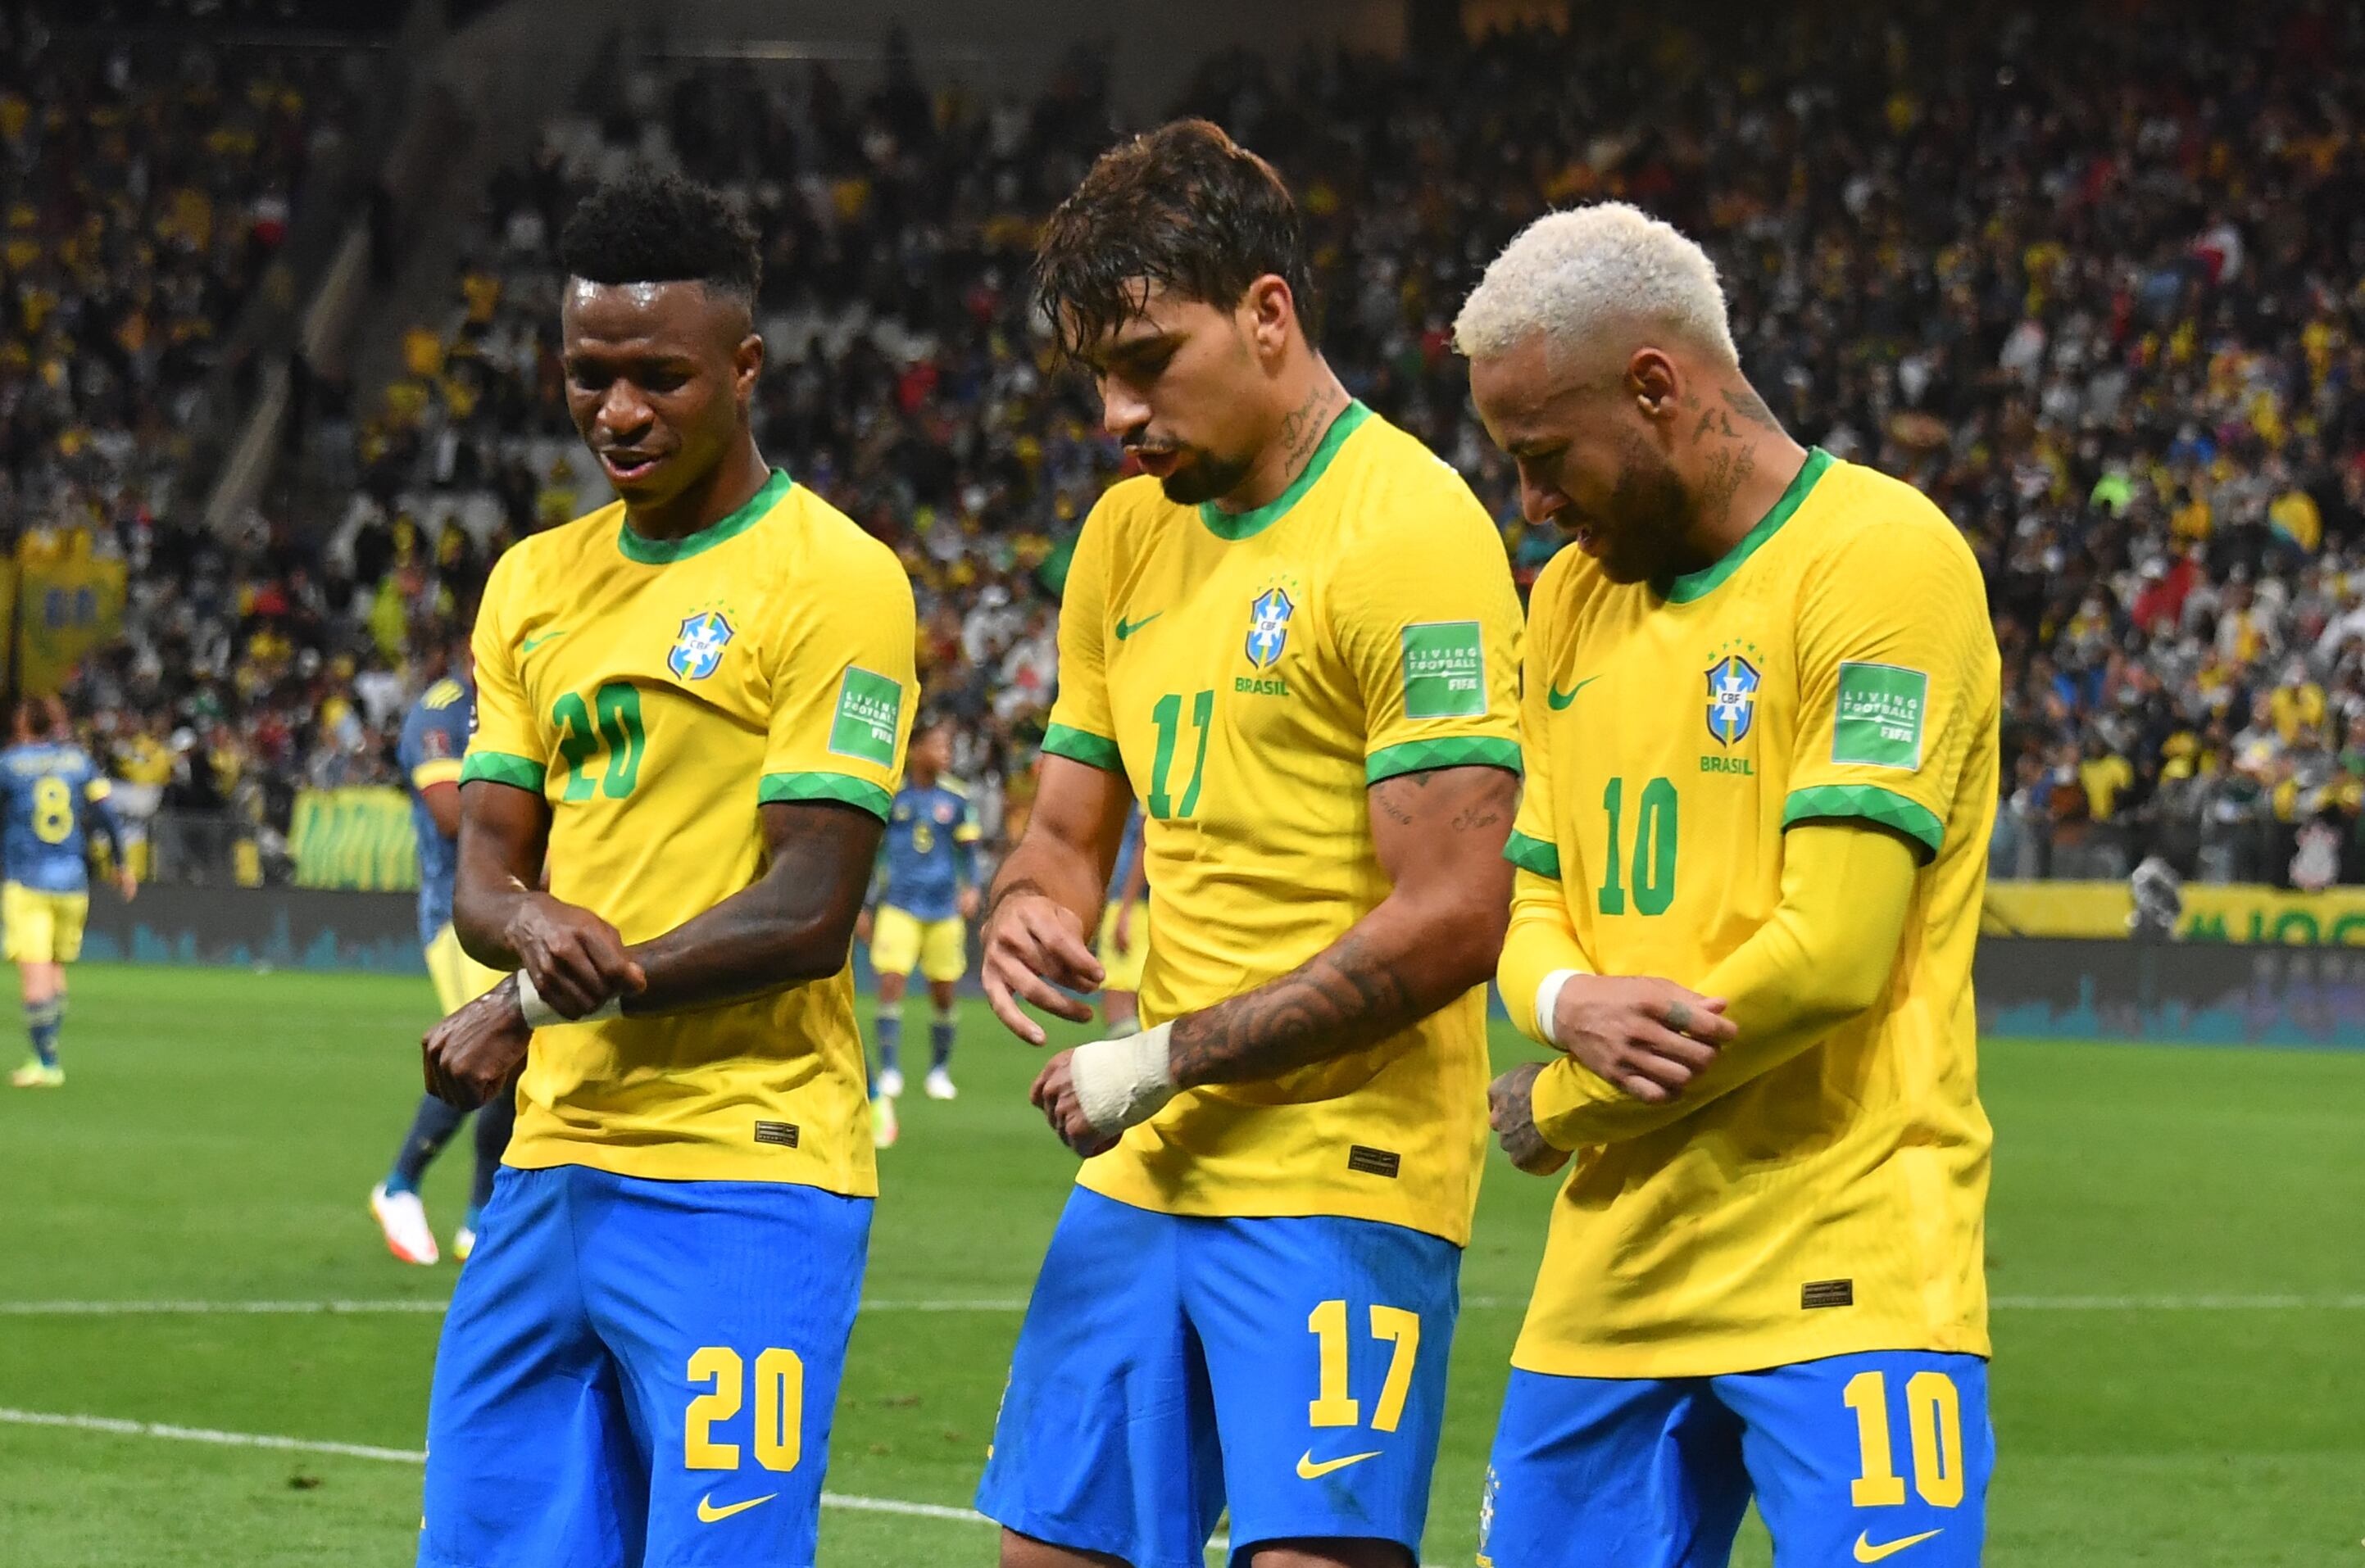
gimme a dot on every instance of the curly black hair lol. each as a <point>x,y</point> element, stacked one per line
<point>651,226</point>
<point>1184,205</point>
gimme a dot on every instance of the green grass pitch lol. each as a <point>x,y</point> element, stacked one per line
<point>2181,1327</point>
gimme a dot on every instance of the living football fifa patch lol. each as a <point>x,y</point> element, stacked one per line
<point>1879,715</point>
<point>1444,670</point>
<point>869,709</point>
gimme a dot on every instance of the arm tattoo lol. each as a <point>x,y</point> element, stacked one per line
<point>1342,999</point>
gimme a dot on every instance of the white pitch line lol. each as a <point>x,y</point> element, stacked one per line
<point>410,1305</point>
<point>116,1428</point>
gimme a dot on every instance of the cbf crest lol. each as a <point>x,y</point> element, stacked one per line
<point>699,649</point>
<point>1269,627</point>
<point>1733,684</point>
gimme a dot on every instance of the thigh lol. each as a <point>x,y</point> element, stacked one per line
<point>459,979</point>
<point>1867,1457</point>
<point>1107,1438</point>
<point>69,913</point>
<point>528,1458</point>
<point>1327,1341</point>
<point>26,918</point>
<point>726,1305</point>
<point>1612,1473</point>
<point>944,950</point>
<point>894,941</point>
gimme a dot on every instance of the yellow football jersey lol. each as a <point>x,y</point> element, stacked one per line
<point>1251,675</point>
<point>1838,663</point>
<point>655,694</point>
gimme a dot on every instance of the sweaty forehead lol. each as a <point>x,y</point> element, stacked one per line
<point>680,314</point>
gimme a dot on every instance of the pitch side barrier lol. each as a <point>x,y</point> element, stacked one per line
<point>2202,989</point>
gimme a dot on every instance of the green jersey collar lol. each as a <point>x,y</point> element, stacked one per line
<point>663,552</point>
<point>1239,525</point>
<point>1700,584</point>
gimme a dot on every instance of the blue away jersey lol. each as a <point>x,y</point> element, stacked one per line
<point>47,789</point>
<point>930,851</point>
<point>434,740</point>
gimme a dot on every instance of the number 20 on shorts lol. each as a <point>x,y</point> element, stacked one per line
<point>780,1408</point>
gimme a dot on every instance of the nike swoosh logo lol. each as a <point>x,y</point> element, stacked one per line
<point>709,1514</point>
<point>1309,1471</point>
<point>1867,1553</point>
<point>531,643</point>
<point>1127,628</point>
<point>1557,699</point>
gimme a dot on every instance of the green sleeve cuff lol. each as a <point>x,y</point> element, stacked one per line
<point>1873,804</point>
<point>1533,854</point>
<point>1082,745</point>
<point>500,767</point>
<point>1454,751</point>
<point>838,787</point>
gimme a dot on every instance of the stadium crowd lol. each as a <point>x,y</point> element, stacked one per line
<point>2090,276</point>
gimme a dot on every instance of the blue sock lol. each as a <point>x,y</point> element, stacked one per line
<point>940,1040</point>
<point>431,1129</point>
<point>891,1035</point>
<point>42,1021</point>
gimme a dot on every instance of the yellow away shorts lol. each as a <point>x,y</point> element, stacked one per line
<point>43,928</point>
<point>1124,969</point>
<point>459,979</point>
<point>901,942</point>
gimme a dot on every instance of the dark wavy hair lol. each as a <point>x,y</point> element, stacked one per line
<point>1184,205</point>
<point>648,226</point>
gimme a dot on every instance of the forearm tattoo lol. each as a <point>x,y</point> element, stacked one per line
<point>1344,998</point>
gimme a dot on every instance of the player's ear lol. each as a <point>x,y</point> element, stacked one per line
<point>746,364</point>
<point>1652,381</point>
<point>1268,311</point>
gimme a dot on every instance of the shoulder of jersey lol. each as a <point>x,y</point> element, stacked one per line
<point>951,786</point>
<point>442,695</point>
<point>1895,519</point>
<point>818,526</point>
<point>1400,466</point>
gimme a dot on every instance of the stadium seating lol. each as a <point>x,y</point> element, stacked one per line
<point>2088,278</point>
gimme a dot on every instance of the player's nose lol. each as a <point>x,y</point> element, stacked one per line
<point>624,412</point>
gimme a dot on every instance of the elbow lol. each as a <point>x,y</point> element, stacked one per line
<point>813,949</point>
<point>1470,943</point>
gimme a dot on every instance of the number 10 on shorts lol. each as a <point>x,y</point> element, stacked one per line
<point>1391,1325</point>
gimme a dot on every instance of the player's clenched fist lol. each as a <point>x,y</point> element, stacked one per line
<point>1033,946</point>
<point>1055,1095</point>
<point>470,1056</point>
<point>575,961</point>
<point>1651,1037</point>
<point>1511,1111</point>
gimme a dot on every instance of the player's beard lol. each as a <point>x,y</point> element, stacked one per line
<point>1649,513</point>
<point>1205,477</point>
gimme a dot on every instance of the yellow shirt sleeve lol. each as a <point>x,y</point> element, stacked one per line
<point>1082,729</point>
<point>1895,657</point>
<point>508,747</point>
<point>1825,956</point>
<point>844,690</point>
<point>1541,939</point>
<point>1426,615</point>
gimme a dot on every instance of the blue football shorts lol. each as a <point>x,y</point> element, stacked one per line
<point>1870,1458</point>
<point>641,1372</point>
<point>1170,1364</point>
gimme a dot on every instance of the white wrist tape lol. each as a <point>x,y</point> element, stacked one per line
<point>1548,1002</point>
<point>541,1015</point>
<point>1121,1082</point>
